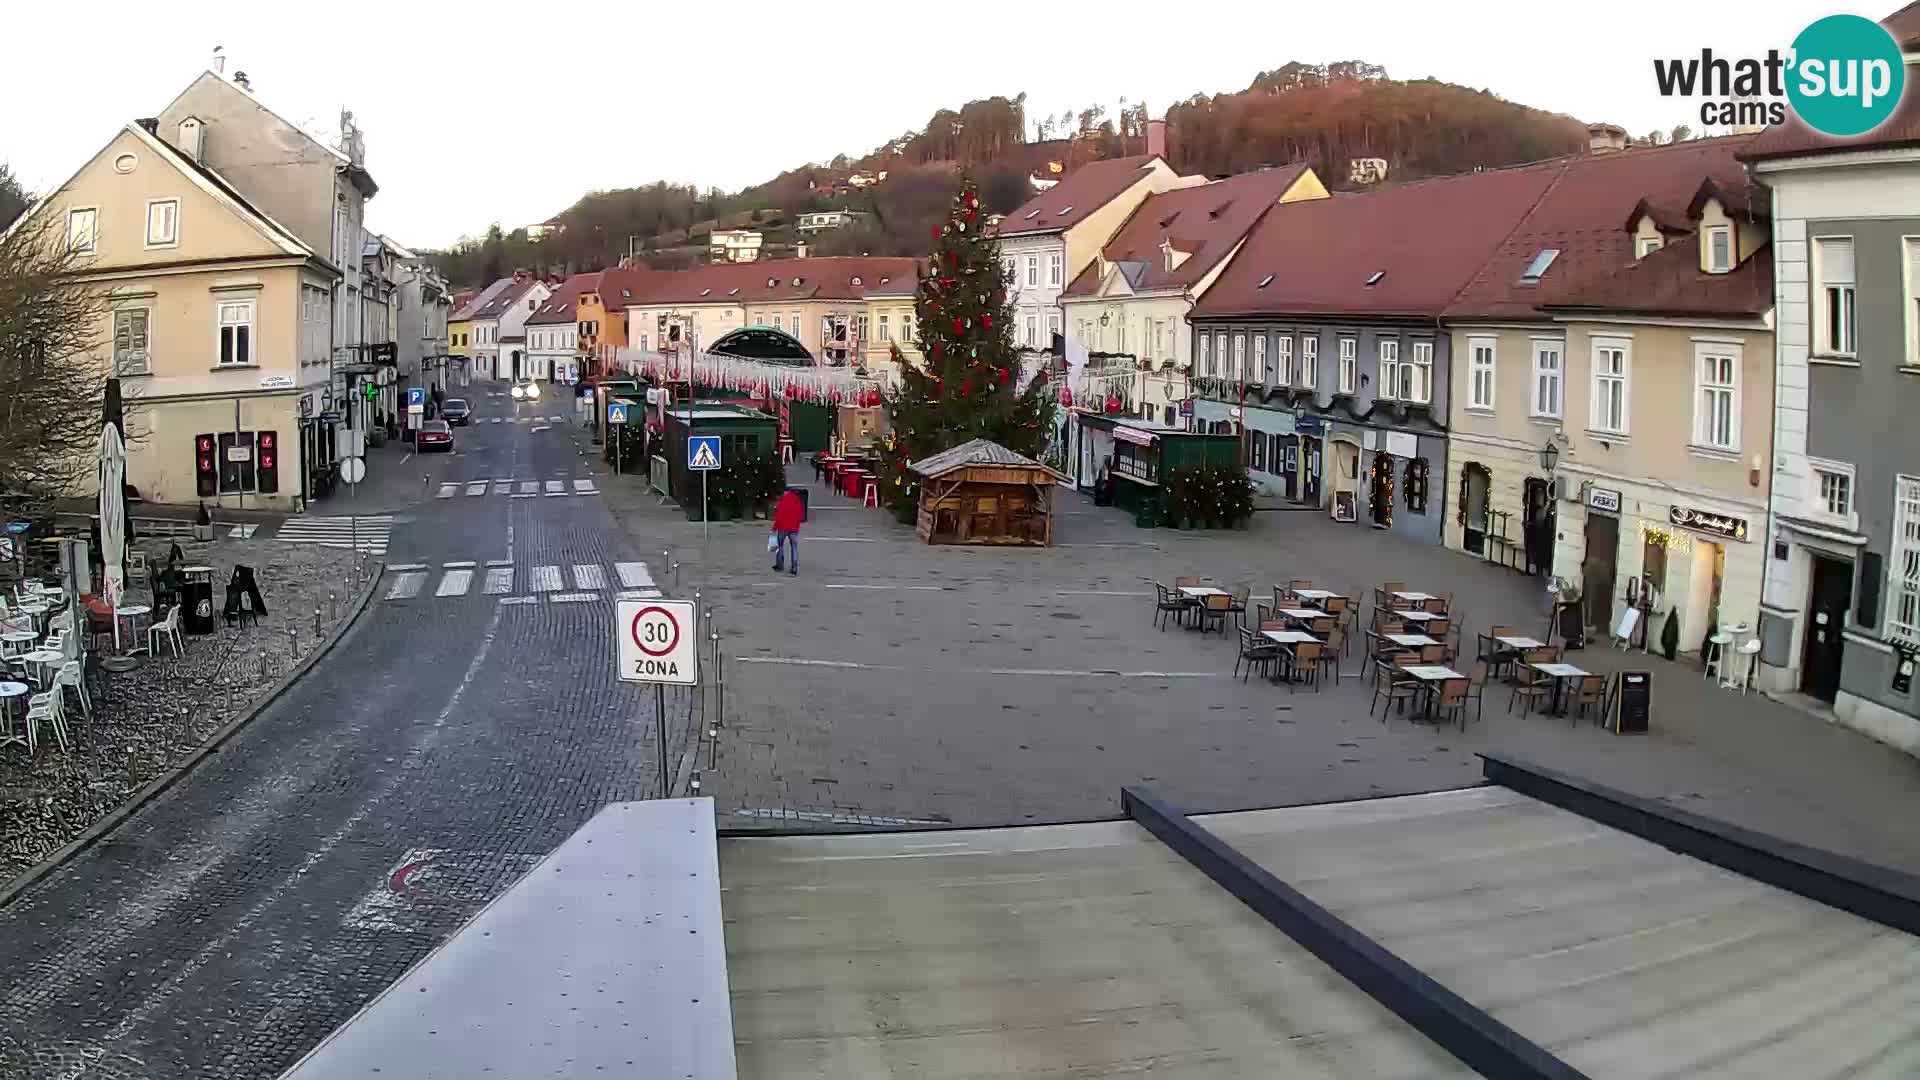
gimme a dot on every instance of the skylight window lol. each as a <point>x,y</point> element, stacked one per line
<point>1031,214</point>
<point>856,279</point>
<point>1264,282</point>
<point>706,292</point>
<point>1066,211</point>
<point>771,282</point>
<point>733,291</point>
<point>1374,278</point>
<point>797,281</point>
<point>1538,267</point>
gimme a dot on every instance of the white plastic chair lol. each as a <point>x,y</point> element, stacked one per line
<point>168,630</point>
<point>45,707</point>
<point>71,675</point>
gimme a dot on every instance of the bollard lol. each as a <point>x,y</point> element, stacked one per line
<point>263,665</point>
<point>316,622</point>
<point>333,605</point>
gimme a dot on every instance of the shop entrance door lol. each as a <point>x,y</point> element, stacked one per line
<point>1474,539</point>
<point>1290,465</point>
<point>1312,465</point>
<point>1603,549</point>
<point>1827,603</point>
<point>1539,528</point>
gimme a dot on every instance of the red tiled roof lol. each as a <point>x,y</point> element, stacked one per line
<point>1205,222</point>
<point>559,307</point>
<point>830,278</point>
<point>620,285</point>
<point>1670,282</point>
<point>1424,239</point>
<point>1586,215</point>
<point>1084,190</point>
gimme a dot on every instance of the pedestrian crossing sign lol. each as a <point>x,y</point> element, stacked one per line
<point>703,451</point>
<point>616,412</point>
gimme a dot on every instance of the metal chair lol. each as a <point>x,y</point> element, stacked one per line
<point>1237,603</point>
<point>1538,686</point>
<point>1452,699</point>
<point>1215,608</point>
<point>1390,687</point>
<point>1591,691</point>
<point>1306,663</point>
<point>1255,650</point>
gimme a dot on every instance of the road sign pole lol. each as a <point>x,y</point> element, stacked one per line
<point>706,511</point>
<point>660,735</point>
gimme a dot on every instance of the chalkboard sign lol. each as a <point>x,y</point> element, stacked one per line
<point>1343,507</point>
<point>1632,702</point>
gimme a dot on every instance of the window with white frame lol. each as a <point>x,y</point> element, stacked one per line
<point>1913,301</point>
<point>1546,378</point>
<point>1716,413</point>
<point>1121,328</point>
<point>1033,330</point>
<point>236,333</point>
<point>886,329</point>
<point>1903,568</point>
<point>1833,263</point>
<point>1054,264</point>
<point>1832,495</point>
<point>1033,270</point>
<point>1481,356</point>
<point>1239,357</point>
<point>1389,369</point>
<point>1417,378</point>
<point>1220,352</point>
<point>163,223</point>
<point>906,326</point>
<point>1349,363</point>
<point>80,230</point>
<point>1053,326</point>
<point>1310,360</point>
<point>1649,245</point>
<point>1260,373</point>
<point>130,342</point>
<point>1206,355</point>
<point>1610,360</point>
<point>1283,359</point>
<point>1719,249</point>
<point>1007,268</point>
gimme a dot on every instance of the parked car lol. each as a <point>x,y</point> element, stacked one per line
<point>456,412</point>
<point>435,435</point>
<point>526,391</point>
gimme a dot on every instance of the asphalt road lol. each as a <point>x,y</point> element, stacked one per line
<point>463,728</point>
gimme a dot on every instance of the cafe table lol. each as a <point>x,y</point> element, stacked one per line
<point>1287,639</point>
<point>1410,641</point>
<point>1303,614</point>
<point>1560,673</point>
<point>13,706</point>
<point>1417,616</point>
<point>1199,591</point>
<point>1521,642</point>
<point>1416,597</point>
<point>46,661</point>
<point>1430,676</point>
<point>1315,594</point>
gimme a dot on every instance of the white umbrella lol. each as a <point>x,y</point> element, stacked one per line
<point>113,519</point>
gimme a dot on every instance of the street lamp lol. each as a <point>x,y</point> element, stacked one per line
<point>1549,456</point>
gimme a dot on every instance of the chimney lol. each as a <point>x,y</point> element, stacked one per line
<point>800,250</point>
<point>520,277</point>
<point>240,80</point>
<point>219,60</point>
<point>1157,138</point>
<point>1605,138</point>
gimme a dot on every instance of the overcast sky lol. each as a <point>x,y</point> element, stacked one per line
<point>477,112</point>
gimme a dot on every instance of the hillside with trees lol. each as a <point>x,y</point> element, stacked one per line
<point>1325,115</point>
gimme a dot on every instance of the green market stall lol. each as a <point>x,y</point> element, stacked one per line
<point>749,475</point>
<point>1144,453</point>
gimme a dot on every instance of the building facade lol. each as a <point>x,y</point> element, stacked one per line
<point>1842,609</point>
<point>422,304</point>
<point>1321,342</point>
<point>553,332</point>
<point>499,328</point>
<point>210,309</point>
<point>734,245</point>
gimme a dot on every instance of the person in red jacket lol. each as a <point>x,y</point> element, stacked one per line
<point>786,532</point>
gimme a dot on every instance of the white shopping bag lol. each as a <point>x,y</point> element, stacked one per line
<point>773,541</point>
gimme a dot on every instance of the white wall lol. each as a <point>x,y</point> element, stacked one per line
<point>1035,300</point>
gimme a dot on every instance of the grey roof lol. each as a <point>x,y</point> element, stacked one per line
<point>483,296</point>
<point>972,452</point>
<point>1135,272</point>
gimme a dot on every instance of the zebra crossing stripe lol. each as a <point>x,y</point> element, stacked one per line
<point>588,576</point>
<point>499,581</point>
<point>634,575</point>
<point>529,487</point>
<point>446,491</point>
<point>407,585</point>
<point>493,419</point>
<point>639,594</point>
<point>574,597</point>
<point>242,532</point>
<point>503,487</point>
<point>555,487</point>
<point>477,487</point>
<point>584,487</point>
<point>547,579</point>
<point>454,583</point>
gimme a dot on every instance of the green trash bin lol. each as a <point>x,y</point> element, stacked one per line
<point>1148,515</point>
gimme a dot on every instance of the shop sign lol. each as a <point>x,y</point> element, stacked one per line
<point>1702,521</point>
<point>1129,435</point>
<point>1604,499</point>
<point>1310,425</point>
<point>1666,538</point>
<point>276,382</point>
<point>1186,407</point>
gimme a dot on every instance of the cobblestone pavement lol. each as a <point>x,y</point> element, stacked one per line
<point>445,744</point>
<point>147,720</point>
<point>890,681</point>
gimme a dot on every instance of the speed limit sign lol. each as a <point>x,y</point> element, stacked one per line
<point>658,641</point>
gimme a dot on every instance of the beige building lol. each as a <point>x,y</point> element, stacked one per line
<point>1619,447</point>
<point>212,311</point>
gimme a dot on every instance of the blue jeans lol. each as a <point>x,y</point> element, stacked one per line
<point>785,544</point>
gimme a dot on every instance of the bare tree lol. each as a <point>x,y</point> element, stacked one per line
<point>52,377</point>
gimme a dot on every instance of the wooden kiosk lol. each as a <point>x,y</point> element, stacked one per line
<point>983,493</point>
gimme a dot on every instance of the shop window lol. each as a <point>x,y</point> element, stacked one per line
<point>1416,486</point>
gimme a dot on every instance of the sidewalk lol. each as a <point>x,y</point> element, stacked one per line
<point>888,721</point>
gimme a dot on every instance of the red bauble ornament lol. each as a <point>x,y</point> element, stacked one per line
<point>953,258</point>
<point>987,321</point>
<point>957,328</point>
<point>966,388</point>
<point>834,397</point>
<point>936,232</point>
<point>1113,403</point>
<point>1066,396</point>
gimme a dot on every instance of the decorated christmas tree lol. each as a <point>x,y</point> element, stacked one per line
<point>966,383</point>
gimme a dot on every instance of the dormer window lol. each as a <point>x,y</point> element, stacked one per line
<point>1537,266</point>
<point>771,282</point>
<point>1374,278</point>
<point>856,279</point>
<point>1649,244</point>
<point>1719,241</point>
<point>796,282</point>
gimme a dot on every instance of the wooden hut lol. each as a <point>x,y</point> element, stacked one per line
<point>983,493</point>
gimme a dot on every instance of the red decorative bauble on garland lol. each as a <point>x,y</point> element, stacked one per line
<point>1066,396</point>
<point>1113,403</point>
<point>957,328</point>
<point>986,321</point>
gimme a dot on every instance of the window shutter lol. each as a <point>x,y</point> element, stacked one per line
<point>1866,611</point>
<point>1836,261</point>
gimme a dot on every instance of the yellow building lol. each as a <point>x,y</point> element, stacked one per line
<point>213,314</point>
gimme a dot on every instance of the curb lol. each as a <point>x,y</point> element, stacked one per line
<point>12,890</point>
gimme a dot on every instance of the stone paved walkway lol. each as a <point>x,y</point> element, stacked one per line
<point>890,680</point>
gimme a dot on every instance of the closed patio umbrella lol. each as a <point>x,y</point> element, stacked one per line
<point>113,519</point>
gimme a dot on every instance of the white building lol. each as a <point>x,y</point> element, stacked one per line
<point>734,245</point>
<point>500,327</point>
<point>826,219</point>
<point>553,333</point>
